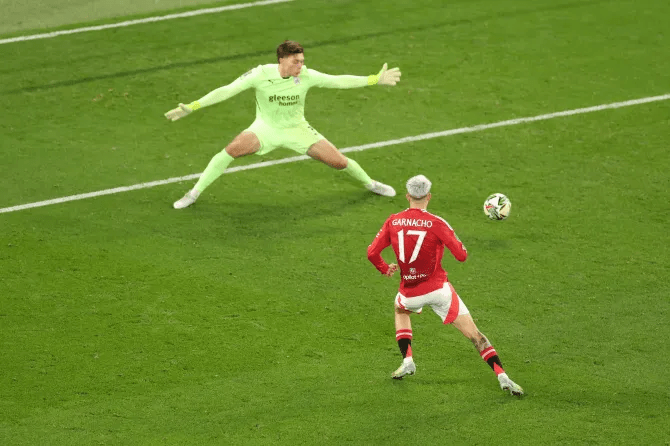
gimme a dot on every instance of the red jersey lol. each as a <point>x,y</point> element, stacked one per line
<point>418,239</point>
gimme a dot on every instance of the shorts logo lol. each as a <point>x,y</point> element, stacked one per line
<point>412,270</point>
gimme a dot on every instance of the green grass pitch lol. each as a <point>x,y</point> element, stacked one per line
<point>254,317</point>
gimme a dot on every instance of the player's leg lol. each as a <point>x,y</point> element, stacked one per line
<point>246,143</point>
<point>448,305</point>
<point>243,144</point>
<point>403,335</point>
<point>467,326</point>
<point>324,151</point>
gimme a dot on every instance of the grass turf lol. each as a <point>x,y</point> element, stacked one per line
<point>254,317</point>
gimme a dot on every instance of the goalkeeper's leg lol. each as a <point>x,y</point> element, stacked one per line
<point>245,143</point>
<point>328,154</point>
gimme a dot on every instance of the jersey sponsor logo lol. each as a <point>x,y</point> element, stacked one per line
<point>412,222</point>
<point>414,276</point>
<point>285,100</point>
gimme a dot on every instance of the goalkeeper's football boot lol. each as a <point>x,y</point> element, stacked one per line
<point>380,189</point>
<point>407,368</point>
<point>187,199</point>
<point>508,385</point>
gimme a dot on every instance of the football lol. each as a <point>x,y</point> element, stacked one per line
<point>497,207</point>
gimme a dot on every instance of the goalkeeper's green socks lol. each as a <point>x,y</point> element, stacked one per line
<point>357,172</point>
<point>221,160</point>
<point>214,170</point>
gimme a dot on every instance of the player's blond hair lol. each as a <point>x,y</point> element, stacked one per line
<point>418,186</point>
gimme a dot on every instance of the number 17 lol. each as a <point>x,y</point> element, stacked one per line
<point>417,247</point>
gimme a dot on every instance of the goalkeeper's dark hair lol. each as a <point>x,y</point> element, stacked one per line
<point>288,47</point>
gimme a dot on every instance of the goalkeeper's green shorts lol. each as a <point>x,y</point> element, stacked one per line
<point>298,139</point>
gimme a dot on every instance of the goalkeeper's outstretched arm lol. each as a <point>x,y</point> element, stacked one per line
<point>384,77</point>
<point>213,97</point>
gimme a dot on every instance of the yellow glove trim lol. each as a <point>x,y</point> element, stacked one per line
<point>194,105</point>
<point>373,79</point>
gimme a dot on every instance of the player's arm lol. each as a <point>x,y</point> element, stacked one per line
<point>240,84</point>
<point>384,77</point>
<point>452,242</point>
<point>381,241</point>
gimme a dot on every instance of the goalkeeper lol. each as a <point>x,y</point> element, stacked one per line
<point>280,117</point>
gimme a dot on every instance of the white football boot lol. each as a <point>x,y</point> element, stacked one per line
<point>508,385</point>
<point>407,368</point>
<point>380,189</point>
<point>187,199</point>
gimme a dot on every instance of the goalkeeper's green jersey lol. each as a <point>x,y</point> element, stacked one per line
<point>280,102</point>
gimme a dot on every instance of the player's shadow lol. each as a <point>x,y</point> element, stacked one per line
<point>306,44</point>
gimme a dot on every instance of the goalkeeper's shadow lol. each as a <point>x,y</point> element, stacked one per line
<point>281,216</point>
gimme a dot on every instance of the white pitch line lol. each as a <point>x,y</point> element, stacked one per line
<point>391,142</point>
<point>140,21</point>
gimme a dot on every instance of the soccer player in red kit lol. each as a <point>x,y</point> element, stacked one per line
<point>418,239</point>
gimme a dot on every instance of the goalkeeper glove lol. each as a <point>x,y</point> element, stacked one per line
<point>385,76</point>
<point>182,110</point>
